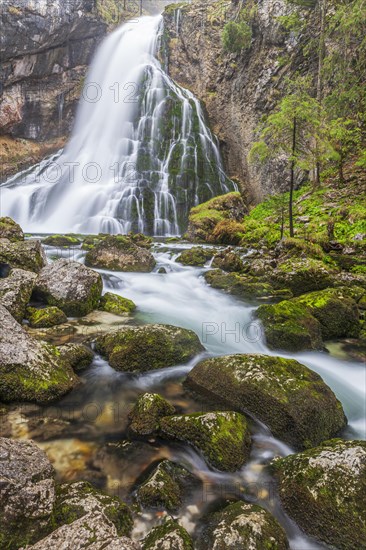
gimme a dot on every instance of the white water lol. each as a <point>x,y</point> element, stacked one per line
<point>140,155</point>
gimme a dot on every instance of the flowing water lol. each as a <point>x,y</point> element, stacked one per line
<point>140,155</point>
<point>86,433</point>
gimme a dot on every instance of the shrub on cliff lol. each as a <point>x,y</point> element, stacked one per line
<point>236,36</point>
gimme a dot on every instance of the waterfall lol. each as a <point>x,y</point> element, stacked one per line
<point>140,154</point>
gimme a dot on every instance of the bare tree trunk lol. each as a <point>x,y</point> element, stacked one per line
<point>292,179</point>
<point>319,86</point>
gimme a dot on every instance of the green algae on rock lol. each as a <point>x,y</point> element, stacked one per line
<point>113,303</point>
<point>196,256</point>
<point>289,398</point>
<point>228,260</point>
<point>16,290</point>
<point>222,437</point>
<point>302,275</point>
<point>290,326</point>
<point>30,370</point>
<point>78,356</point>
<point>148,347</point>
<point>170,535</point>
<point>61,240</point>
<point>120,253</point>
<point>242,526</point>
<point>239,285</point>
<point>45,317</point>
<point>324,491</point>
<point>9,229</point>
<point>145,415</point>
<point>166,487</point>
<point>28,255</point>
<point>70,286</point>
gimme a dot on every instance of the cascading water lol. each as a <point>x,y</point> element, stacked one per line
<point>140,155</point>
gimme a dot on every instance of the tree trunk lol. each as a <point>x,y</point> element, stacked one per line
<point>292,179</point>
<point>319,85</point>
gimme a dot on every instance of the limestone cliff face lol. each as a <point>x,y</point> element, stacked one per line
<point>46,46</point>
<point>237,89</point>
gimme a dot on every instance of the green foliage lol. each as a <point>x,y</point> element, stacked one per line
<point>236,36</point>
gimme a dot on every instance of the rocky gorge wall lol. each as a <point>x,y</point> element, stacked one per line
<point>236,88</point>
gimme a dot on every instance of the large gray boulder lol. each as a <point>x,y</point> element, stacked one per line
<point>169,536</point>
<point>30,370</point>
<point>28,255</point>
<point>16,290</point>
<point>289,398</point>
<point>70,286</point>
<point>120,253</point>
<point>9,229</point>
<point>27,494</point>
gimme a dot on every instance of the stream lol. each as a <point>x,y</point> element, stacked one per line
<point>85,433</point>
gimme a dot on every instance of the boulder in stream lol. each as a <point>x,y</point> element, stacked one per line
<point>222,437</point>
<point>228,260</point>
<point>9,229</point>
<point>242,526</point>
<point>113,303</point>
<point>302,275</point>
<point>120,253</point>
<point>145,415</point>
<point>45,317</point>
<point>30,370</point>
<point>78,356</point>
<point>148,347</point>
<point>28,255</point>
<point>324,491</point>
<point>61,241</point>
<point>16,290</point>
<point>292,400</point>
<point>170,536</point>
<point>239,285</point>
<point>71,286</point>
<point>196,256</point>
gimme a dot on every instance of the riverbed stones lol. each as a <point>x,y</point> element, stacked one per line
<point>196,256</point>
<point>242,526</point>
<point>78,356</point>
<point>120,253</point>
<point>222,437</point>
<point>289,398</point>
<point>113,303</point>
<point>27,493</point>
<point>30,370</point>
<point>290,326</point>
<point>28,255</point>
<point>169,536</point>
<point>166,487</point>
<point>145,415</point>
<point>45,317</point>
<point>9,229</point>
<point>16,290</point>
<point>148,347</point>
<point>324,491</point>
<point>70,286</point>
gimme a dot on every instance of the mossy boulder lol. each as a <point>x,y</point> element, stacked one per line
<point>205,217</point>
<point>16,290</point>
<point>227,232</point>
<point>242,526</point>
<point>298,248</point>
<point>167,486</point>
<point>239,285</point>
<point>228,260</point>
<point>61,240</point>
<point>9,229</point>
<point>336,311</point>
<point>324,491</point>
<point>196,256</point>
<point>148,347</point>
<point>290,326</point>
<point>145,415</point>
<point>222,437</point>
<point>302,275</point>
<point>29,370</point>
<point>113,303</point>
<point>46,317</point>
<point>28,255</point>
<point>170,535</point>
<point>78,356</point>
<point>289,398</point>
<point>27,495</point>
<point>70,286</point>
<point>120,253</point>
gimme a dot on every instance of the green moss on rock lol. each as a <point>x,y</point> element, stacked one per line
<point>290,326</point>
<point>238,285</point>
<point>243,526</point>
<point>148,409</point>
<point>148,347</point>
<point>113,303</point>
<point>196,256</point>
<point>292,400</point>
<point>324,491</point>
<point>9,229</point>
<point>228,260</point>
<point>169,535</point>
<point>120,253</point>
<point>222,437</point>
<point>78,356</point>
<point>27,255</point>
<point>302,275</point>
<point>46,317</point>
<point>61,240</point>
